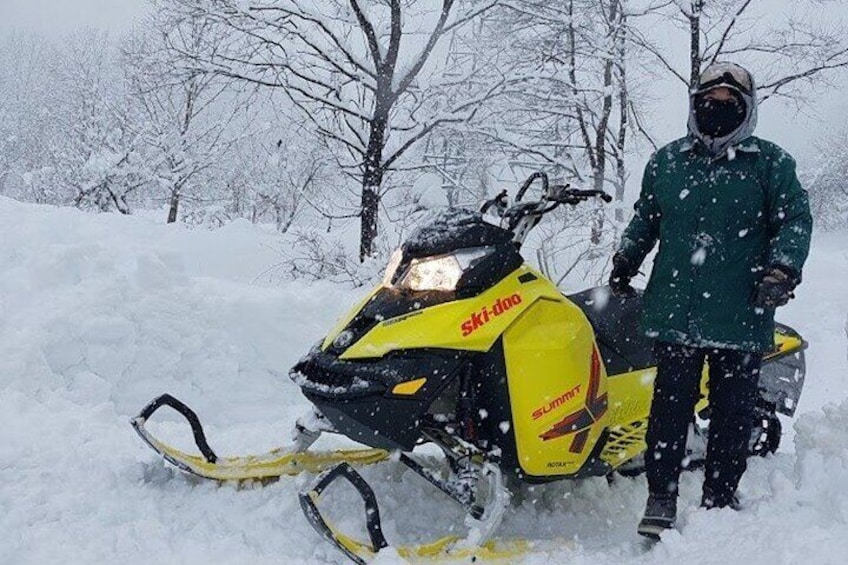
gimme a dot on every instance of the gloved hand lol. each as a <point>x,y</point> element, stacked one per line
<point>776,286</point>
<point>619,281</point>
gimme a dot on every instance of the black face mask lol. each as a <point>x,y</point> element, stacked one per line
<point>717,118</point>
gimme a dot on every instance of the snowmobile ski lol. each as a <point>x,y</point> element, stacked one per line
<point>448,548</point>
<point>276,463</point>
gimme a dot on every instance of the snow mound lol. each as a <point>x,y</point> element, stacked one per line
<point>821,468</point>
<point>100,313</point>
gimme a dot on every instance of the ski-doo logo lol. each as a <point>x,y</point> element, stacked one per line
<point>488,313</point>
<point>556,402</point>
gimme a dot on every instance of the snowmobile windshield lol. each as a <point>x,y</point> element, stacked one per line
<point>450,230</point>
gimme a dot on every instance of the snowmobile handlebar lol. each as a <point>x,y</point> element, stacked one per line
<point>560,193</point>
<point>551,194</point>
<point>521,216</point>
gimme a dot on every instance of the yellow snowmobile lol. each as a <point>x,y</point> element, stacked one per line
<point>466,347</point>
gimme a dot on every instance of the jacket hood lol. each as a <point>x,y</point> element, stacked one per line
<point>719,145</point>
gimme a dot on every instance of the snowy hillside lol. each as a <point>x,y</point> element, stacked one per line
<point>98,314</point>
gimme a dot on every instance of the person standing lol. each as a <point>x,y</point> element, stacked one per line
<point>733,225</point>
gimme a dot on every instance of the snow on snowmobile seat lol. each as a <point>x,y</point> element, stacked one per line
<point>616,323</point>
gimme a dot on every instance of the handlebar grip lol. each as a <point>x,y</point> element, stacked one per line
<point>584,194</point>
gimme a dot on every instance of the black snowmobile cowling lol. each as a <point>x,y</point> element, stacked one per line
<point>360,397</point>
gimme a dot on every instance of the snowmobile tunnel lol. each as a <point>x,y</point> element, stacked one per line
<point>615,320</point>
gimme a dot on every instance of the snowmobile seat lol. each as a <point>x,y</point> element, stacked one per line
<point>622,345</point>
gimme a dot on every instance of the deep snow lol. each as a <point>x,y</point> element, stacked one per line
<point>98,314</point>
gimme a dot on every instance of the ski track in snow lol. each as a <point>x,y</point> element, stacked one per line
<point>99,314</point>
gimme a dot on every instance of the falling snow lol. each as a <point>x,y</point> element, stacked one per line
<point>699,256</point>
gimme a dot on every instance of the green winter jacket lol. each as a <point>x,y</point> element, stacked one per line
<point>719,223</point>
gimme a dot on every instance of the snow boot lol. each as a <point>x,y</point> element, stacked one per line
<point>712,499</point>
<point>660,513</point>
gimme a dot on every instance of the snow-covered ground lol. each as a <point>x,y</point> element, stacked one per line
<point>98,314</point>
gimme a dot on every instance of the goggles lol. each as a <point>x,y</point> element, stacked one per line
<point>726,74</point>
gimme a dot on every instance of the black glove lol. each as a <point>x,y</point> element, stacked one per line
<point>619,281</point>
<point>776,286</point>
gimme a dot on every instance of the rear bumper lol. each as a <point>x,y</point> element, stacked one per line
<point>783,372</point>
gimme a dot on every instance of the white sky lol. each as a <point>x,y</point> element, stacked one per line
<point>779,122</point>
<point>57,16</point>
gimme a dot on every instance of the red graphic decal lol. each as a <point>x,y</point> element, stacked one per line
<point>556,403</point>
<point>579,422</point>
<point>579,441</point>
<point>488,313</point>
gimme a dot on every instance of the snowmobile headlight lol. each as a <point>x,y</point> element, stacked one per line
<point>432,273</point>
<point>441,272</point>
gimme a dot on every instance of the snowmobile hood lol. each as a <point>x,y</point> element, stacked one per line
<point>391,321</point>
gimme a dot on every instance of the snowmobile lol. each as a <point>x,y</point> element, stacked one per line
<point>466,347</point>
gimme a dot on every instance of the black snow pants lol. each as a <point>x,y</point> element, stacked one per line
<point>733,392</point>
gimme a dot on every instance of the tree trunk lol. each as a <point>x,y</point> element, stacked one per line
<point>174,207</point>
<point>623,100</point>
<point>599,170</point>
<point>372,179</point>
<point>572,76</point>
<point>368,223</point>
<point>695,42</point>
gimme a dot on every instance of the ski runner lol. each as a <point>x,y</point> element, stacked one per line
<point>733,225</point>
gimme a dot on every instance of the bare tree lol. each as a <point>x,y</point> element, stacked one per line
<point>97,150</point>
<point>455,152</point>
<point>782,56</point>
<point>280,180</point>
<point>356,70</point>
<point>572,114</point>
<point>189,115</point>
<point>32,141</point>
<point>624,107</point>
<point>825,180</point>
